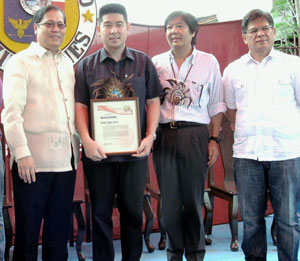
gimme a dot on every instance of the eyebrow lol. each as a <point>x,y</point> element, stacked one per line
<point>177,23</point>
<point>108,21</point>
<point>255,27</point>
<point>50,20</point>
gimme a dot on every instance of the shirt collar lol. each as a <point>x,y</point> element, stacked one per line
<point>191,58</point>
<point>248,58</point>
<point>126,54</point>
<point>41,51</point>
<point>273,54</point>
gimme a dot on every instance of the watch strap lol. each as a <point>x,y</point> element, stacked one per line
<point>216,139</point>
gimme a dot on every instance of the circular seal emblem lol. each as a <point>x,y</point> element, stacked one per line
<point>31,6</point>
<point>16,27</point>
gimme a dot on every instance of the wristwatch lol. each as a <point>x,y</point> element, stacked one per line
<point>153,135</point>
<point>216,139</point>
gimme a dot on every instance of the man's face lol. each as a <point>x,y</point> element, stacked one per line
<point>260,37</point>
<point>178,33</point>
<point>113,31</point>
<point>50,31</point>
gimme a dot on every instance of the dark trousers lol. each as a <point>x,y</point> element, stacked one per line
<point>50,199</point>
<point>127,180</point>
<point>180,160</point>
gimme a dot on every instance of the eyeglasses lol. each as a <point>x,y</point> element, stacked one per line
<point>265,29</point>
<point>51,25</point>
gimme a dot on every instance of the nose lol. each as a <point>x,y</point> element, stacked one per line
<point>55,27</point>
<point>174,30</point>
<point>260,32</point>
<point>113,29</point>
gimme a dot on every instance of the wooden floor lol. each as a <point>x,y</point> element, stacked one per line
<point>219,250</point>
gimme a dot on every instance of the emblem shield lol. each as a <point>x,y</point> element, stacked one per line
<point>18,24</point>
<point>18,17</point>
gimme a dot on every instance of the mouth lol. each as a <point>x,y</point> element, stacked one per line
<point>262,41</point>
<point>55,37</point>
<point>175,39</point>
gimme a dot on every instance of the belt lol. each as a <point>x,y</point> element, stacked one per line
<point>181,124</point>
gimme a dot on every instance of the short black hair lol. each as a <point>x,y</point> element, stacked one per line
<point>39,15</point>
<point>253,15</point>
<point>113,9</point>
<point>189,19</point>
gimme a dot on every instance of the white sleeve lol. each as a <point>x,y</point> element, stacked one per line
<point>228,89</point>
<point>15,82</point>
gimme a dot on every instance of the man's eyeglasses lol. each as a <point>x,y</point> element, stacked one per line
<point>265,29</point>
<point>51,25</point>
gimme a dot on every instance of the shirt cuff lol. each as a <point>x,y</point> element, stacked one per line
<point>21,152</point>
<point>216,108</point>
<point>231,106</point>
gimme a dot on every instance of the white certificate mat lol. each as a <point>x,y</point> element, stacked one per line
<point>116,125</point>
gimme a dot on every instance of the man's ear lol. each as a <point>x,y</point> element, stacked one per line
<point>35,27</point>
<point>128,26</point>
<point>244,39</point>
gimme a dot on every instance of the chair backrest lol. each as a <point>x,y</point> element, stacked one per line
<point>151,177</point>
<point>2,140</point>
<point>226,149</point>
<point>8,194</point>
<point>225,160</point>
<point>3,145</point>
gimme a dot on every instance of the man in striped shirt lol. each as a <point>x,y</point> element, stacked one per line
<point>183,150</point>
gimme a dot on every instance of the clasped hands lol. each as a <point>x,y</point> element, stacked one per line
<point>94,151</point>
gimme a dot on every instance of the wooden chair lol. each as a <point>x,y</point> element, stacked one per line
<point>78,199</point>
<point>154,193</point>
<point>226,189</point>
<point>208,217</point>
<point>88,211</point>
<point>7,202</point>
<point>77,211</point>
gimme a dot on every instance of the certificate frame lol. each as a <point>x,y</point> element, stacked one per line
<point>116,125</point>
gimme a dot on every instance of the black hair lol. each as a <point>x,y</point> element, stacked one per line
<point>112,8</point>
<point>253,15</point>
<point>189,19</point>
<point>39,15</point>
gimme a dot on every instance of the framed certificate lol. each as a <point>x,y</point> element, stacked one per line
<point>116,125</point>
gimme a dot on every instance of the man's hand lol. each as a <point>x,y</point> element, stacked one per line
<point>212,152</point>
<point>145,147</point>
<point>27,169</point>
<point>93,150</point>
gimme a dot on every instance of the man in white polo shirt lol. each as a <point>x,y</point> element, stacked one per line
<point>262,94</point>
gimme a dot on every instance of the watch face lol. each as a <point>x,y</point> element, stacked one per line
<point>216,139</point>
<point>154,136</point>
